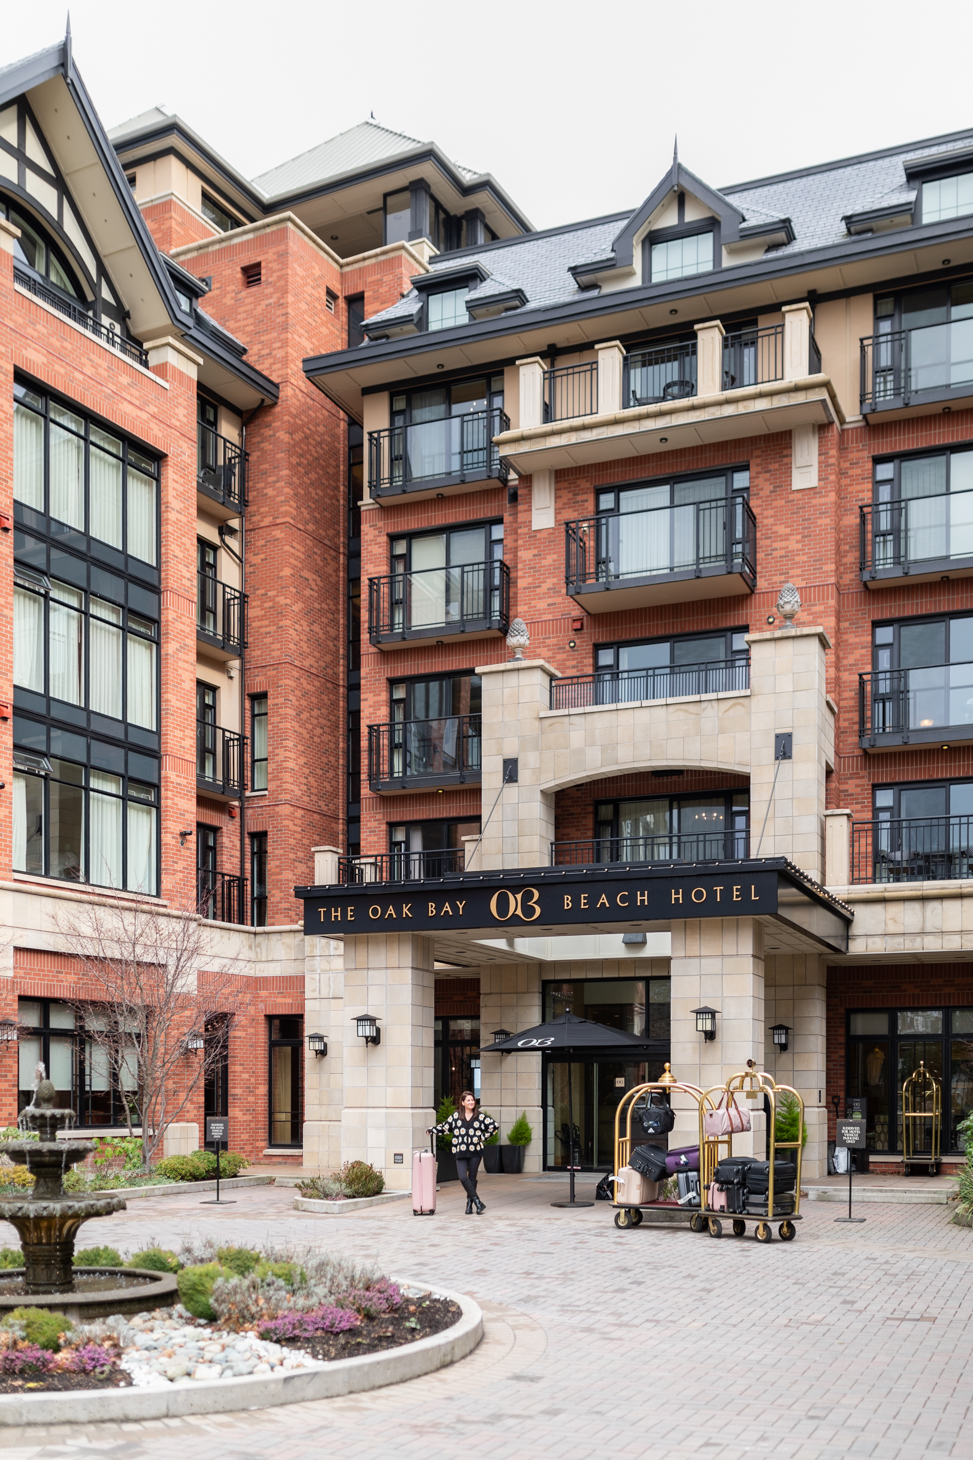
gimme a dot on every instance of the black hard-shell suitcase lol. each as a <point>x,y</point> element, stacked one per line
<point>758,1177</point>
<point>732,1170</point>
<point>756,1205</point>
<point>649,1161</point>
<point>736,1196</point>
<point>688,1185</point>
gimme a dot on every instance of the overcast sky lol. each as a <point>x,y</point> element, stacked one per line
<point>572,106</point>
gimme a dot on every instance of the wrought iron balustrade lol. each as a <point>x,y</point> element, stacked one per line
<point>433,453</point>
<point>663,372</point>
<point>400,866</point>
<point>623,686</point>
<point>691,539</point>
<point>753,357</point>
<point>919,849</point>
<point>919,705</point>
<point>109,334</point>
<point>221,897</point>
<point>221,467</point>
<point>221,613</point>
<point>570,391</point>
<point>899,366</point>
<point>896,538</point>
<point>725,844</point>
<point>442,751</point>
<point>219,759</point>
<point>472,597</point>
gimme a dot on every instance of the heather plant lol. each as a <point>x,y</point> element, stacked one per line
<point>88,1358</point>
<point>307,1325</point>
<point>324,1188</point>
<point>27,1358</point>
<point>378,1299</point>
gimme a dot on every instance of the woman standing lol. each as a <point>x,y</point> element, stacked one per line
<point>469,1131</point>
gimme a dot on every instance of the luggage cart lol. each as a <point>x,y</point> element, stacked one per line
<point>628,1216</point>
<point>922,1121</point>
<point>752,1084</point>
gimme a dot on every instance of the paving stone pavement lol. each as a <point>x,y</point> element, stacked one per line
<point>847,1342</point>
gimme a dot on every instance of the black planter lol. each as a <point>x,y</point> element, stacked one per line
<point>491,1159</point>
<point>513,1159</point>
<point>446,1166</point>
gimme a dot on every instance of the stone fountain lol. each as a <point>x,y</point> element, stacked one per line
<point>47,1223</point>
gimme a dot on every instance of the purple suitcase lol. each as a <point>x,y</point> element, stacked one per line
<point>682,1158</point>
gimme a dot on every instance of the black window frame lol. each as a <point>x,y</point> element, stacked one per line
<point>258,878</point>
<point>401,414</point>
<point>889,810</point>
<point>207,865</point>
<point>621,489</point>
<point>602,664</point>
<point>291,1042</point>
<point>494,540</point>
<point>407,684</point>
<point>735,830</point>
<point>938,174</point>
<point>255,760</point>
<point>80,1095</point>
<point>882,477</point>
<point>681,230</point>
<point>222,219</point>
<point>355,320</point>
<point>893,1037</point>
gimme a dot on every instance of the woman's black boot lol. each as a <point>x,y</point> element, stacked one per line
<point>470,1190</point>
<point>469,1205</point>
<point>480,1206</point>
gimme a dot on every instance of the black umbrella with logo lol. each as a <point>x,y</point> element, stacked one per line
<point>566,1035</point>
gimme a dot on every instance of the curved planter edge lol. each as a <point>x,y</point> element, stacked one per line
<point>222,1396</point>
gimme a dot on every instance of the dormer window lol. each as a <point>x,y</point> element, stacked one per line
<point>947,197</point>
<point>679,257</point>
<point>447,309</point>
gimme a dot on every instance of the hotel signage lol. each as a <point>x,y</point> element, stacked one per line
<point>505,902</point>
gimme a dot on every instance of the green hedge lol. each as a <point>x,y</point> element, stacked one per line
<point>201,1166</point>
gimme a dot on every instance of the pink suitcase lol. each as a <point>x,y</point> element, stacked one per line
<point>716,1199</point>
<point>424,1182</point>
<point>632,1189</point>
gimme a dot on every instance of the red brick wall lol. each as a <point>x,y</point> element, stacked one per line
<point>172,225</point>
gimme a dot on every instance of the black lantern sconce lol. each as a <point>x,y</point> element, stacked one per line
<point>8,1031</point>
<point>499,1035</point>
<point>368,1029</point>
<point>194,1042</point>
<point>706,1022</point>
<point>780,1034</point>
<point>318,1045</point>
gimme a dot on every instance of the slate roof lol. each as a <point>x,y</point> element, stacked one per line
<point>357,147</point>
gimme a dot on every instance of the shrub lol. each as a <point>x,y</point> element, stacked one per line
<point>16,1176</point>
<point>493,1140</point>
<point>126,1150</point>
<point>361,1179</point>
<point>520,1133</point>
<point>99,1257</point>
<point>14,1133</point>
<point>201,1166</point>
<point>39,1326</point>
<point>787,1120</point>
<point>306,1325</point>
<point>245,1302</point>
<point>964,1177</point>
<point>240,1261</point>
<point>155,1259</point>
<point>288,1272</point>
<point>196,1288</point>
<point>88,1358</point>
<point>324,1188</point>
<point>11,1257</point>
<point>447,1107</point>
<point>29,1359</point>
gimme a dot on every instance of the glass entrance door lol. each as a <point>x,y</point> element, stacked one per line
<point>597,1086</point>
<point>457,1065</point>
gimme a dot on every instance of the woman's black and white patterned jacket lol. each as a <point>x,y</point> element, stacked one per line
<point>468,1136</point>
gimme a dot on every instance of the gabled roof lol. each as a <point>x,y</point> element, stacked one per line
<point>347,152</point>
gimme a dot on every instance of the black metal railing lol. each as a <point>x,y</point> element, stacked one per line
<point>693,539</point>
<point>570,390</point>
<point>908,702</point>
<point>902,364</point>
<point>622,686</point>
<point>445,750</point>
<point>400,866</point>
<point>107,333</point>
<point>723,845</point>
<point>921,849</point>
<point>753,357</point>
<point>433,601</point>
<point>426,453</point>
<point>221,467</point>
<point>664,372</point>
<point>221,613</point>
<point>898,536</point>
<point>219,759</point>
<point>221,897</point>
<point>814,355</point>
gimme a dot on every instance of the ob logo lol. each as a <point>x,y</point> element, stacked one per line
<point>515,903</point>
<point>535,1043</point>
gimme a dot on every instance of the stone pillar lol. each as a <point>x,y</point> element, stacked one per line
<point>521,829</point>
<point>797,340</point>
<point>611,366</point>
<point>788,694</point>
<point>796,994</point>
<point>388,1088</point>
<point>510,998</point>
<point>709,357</point>
<point>180,1139</point>
<point>324,1077</point>
<point>837,848</point>
<point>531,391</point>
<point>326,866</point>
<point>718,962</point>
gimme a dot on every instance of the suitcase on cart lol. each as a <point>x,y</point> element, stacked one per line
<point>633,1189</point>
<point>650,1161</point>
<point>683,1158</point>
<point>758,1177</point>
<point>756,1206</point>
<point>716,1198</point>
<point>733,1170</point>
<point>688,1184</point>
<point>424,1182</point>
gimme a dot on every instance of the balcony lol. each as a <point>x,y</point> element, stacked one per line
<point>400,866</point>
<point>436,458</point>
<point>221,897</point>
<point>725,845</point>
<point>221,617</point>
<point>908,370</point>
<point>924,849</point>
<point>920,540</point>
<point>219,761</point>
<point>221,473</point>
<point>627,686</point>
<point>932,705</point>
<point>445,604</point>
<point>717,387</point>
<point>108,334</point>
<point>697,550</point>
<point>411,754</point>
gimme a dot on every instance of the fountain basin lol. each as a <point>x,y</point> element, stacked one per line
<point>47,1231</point>
<point>97,1292</point>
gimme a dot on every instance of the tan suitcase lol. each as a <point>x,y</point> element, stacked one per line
<point>632,1189</point>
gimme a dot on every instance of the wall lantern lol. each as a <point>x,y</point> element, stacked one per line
<point>194,1042</point>
<point>8,1031</point>
<point>499,1035</point>
<point>780,1033</point>
<point>317,1044</point>
<point>368,1029</point>
<point>706,1021</point>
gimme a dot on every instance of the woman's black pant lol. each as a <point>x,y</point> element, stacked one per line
<point>466,1169</point>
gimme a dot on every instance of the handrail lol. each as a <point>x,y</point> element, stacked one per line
<point>221,467</point>
<point>444,749</point>
<point>400,866</point>
<point>662,372</point>
<point>912,849</point>
<point>571,391</point>
<point>899,701</point>
<point>109,334</point>
<point>691,537</point>
<point>433,601</point>
<point>901,364</point>
<point>221,896</point>
<point>915,530</point>
<point>451,449</point>
<point>753,357</point>
<point>219,758</point>
<point>221,612</point>
<point>622,686</point>
<point>725,845</point>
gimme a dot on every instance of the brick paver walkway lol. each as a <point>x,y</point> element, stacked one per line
<point>849,1341</point>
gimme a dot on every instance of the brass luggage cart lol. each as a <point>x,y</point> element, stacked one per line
<point>627,1215</point>
<point>752,1084</point>
<point>922,1121</point>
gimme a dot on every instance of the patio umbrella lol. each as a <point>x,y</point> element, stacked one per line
<point>570,1035</point>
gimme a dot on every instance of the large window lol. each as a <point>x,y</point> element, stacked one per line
<point>87,480</point>
<point>435,697</point>
<point>885,1046</point>
<point>216,215</point>
<point>658,668</point>
<point>703,827</point>
<point>286,1080</point>
<point>923,508</point>
<point>451,577</point>
<point>446,430</point>
<point>54,1033</point>
<point>678,258</point>
<point>35,250</point>
<point>447,309</point>
<point>258,741</point>
<point>947,197</point>
<point>923,341</point>
<point>667,526</point>
<point>430,848</point>
<point>923,674</point>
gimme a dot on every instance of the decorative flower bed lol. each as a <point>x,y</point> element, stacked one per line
<point>355,1180</point>
<point>243,1311</point>
<point>116,1163</point>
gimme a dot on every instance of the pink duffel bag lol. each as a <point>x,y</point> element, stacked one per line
<point>728,1119</point>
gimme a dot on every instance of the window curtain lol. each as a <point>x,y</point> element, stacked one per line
<point>20,822</point>
<point>28,640</point>
<point>106,830</point>
<point>141,683</point>
<point>105,656</point>
<point>141,848</point>
<point>67,477</point>
<point>66,630</point>
<point>28,457</point>
<point>141,516</point>
<point>428,589</point>
<point>643,527</point>
<point>258,724</point>
<point>106,498</point>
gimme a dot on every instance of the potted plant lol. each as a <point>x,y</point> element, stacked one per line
<point>491,1151</point>
<point>445,1160</point>
<point>519,1136</point>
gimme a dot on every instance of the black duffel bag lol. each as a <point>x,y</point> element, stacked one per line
<point>657,1120</point>
<point>758,1177</point>
<point>649,1161</point>
<point>733,1170</point>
